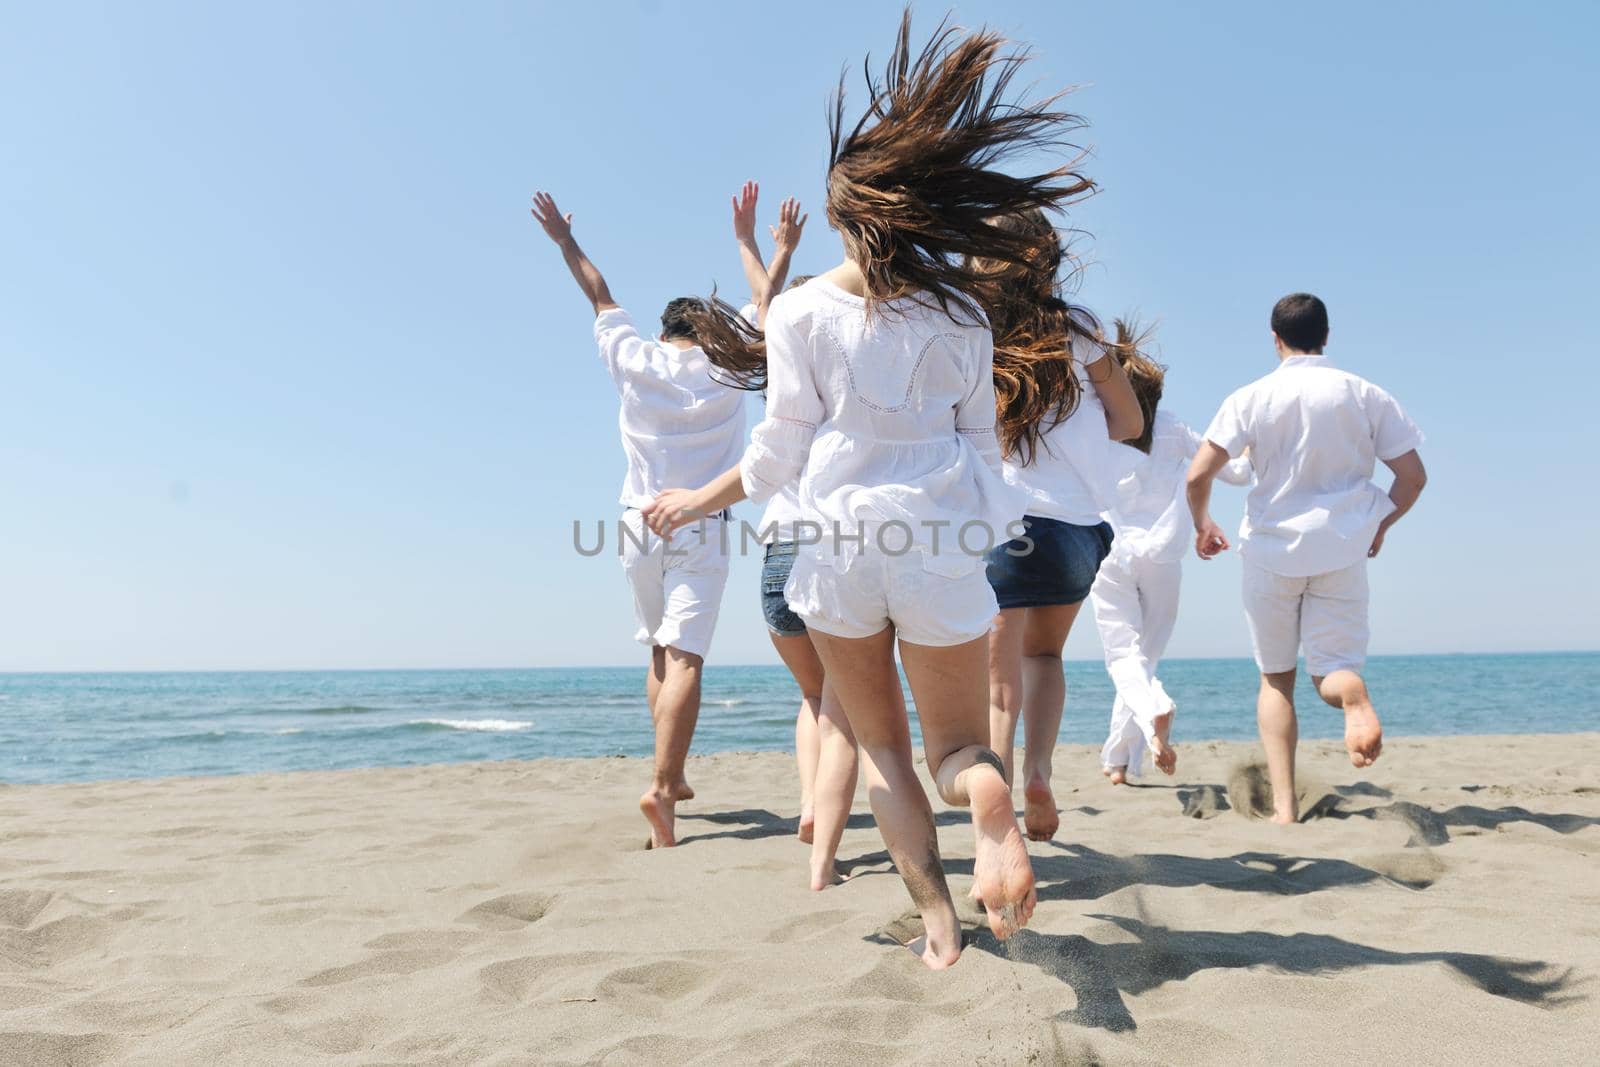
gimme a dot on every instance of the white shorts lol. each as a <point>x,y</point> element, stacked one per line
<point>677,584</point>
<point>1327,613</point>
<point>936,601</point>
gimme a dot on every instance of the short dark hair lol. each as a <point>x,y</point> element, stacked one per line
<point>1301,322</point>
<point>675,320</point>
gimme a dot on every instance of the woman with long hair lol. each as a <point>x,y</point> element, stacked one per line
<point>1064,403</point>
<point>881,391</point>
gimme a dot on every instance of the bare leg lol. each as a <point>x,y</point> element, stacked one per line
<point>652,692</point>
<point>1280,732</point>
<point>947,684</point>
<point>1363,734</point>
<point>1005,685</point>
<point>861,672</point>
<point>1044,698</point>
<point>801,659</point>
<point>677,711</point>
<point>835,786</point>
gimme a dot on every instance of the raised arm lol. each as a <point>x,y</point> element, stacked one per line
<point>744,232</point>
<point>1208,536</point>
<point>1409,478</point>
<point>559,229</point>
<point>785,238</point>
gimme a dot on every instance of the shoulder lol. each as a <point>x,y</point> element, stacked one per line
<point>613,319</point>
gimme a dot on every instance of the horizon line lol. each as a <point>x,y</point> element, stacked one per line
<point>631,666</point>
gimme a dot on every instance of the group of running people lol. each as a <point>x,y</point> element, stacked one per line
<point>954,458</point>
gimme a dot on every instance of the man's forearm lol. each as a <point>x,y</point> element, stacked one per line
<point>1198,490</point>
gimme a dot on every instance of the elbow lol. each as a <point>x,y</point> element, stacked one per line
<point>1125,427</point>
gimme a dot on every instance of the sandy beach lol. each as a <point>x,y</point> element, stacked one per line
<point>1439,909</point>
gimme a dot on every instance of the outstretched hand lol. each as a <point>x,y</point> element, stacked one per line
<point>556,225</point>
<point>786,234</point>
<point>744,212</point>
<point>1209,540</point>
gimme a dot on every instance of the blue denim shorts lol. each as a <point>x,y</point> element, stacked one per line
<point>1059,568</point>
<point>774,576</point>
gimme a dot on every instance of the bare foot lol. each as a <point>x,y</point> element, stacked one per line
<point>940,944</point>
<point>1039,809</point>
<point>1002,876</point>
<point>825,876</point>
<point>1284,818</point>
<point>1166,756</point>
<point>657,808</point>
<point>683,790</point>
<point>1363,734</point>
<point>1118,775</point>
<point>808,822</point>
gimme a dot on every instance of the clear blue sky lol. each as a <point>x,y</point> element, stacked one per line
<point>292,380</point>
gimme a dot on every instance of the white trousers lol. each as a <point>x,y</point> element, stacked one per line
<point>1135,605</point>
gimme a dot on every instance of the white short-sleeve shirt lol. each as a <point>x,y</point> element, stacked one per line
<point>887,419</point>
<point>1314,433</point>
<point>680,427</point>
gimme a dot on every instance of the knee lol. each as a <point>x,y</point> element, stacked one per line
<point>1043,655</point>
<point>684,665</point>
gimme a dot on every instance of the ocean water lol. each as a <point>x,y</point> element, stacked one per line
<point>74,727</point>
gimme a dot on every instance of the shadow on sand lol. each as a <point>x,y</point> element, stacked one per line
<point>1100,973</point>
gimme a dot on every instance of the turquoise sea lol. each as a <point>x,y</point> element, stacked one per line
<point>74,727</point>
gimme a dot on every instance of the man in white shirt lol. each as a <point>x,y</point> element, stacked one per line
<point>1313,520</point>
<point>679,427</point>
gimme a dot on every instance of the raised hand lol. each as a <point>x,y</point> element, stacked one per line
<point>546,214</point>
<point>744,213</point>
<point>786,234</point>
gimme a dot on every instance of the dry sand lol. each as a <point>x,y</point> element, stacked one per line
<point>1441,908</point>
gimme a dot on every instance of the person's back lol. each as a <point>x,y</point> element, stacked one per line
<point>1314,433</point>
<point>679,425</point>
<point>897,422</point>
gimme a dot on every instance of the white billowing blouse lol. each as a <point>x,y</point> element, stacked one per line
<point>883,420</point>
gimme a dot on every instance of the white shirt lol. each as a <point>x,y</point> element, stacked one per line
<point>890,420</point>
<point>680,428</point>
<point>1151,513</point>
<point>1314,432</point>
<point>1076,466</point>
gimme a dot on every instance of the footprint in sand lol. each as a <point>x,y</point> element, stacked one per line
<point>509,912</point>
<point>1415,868</point>
<point>19,907</point>
<point>809,926</point>
<point>401,961</point>
<point>663,980</point>
<point>47,945</point>
<point>35,1046</point>
<point>1204,802</point>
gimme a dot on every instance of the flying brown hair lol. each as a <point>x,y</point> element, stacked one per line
<point>913,187</point>
<point>1146,376</point>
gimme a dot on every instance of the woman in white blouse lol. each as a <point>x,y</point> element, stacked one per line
<point>880,391</point>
